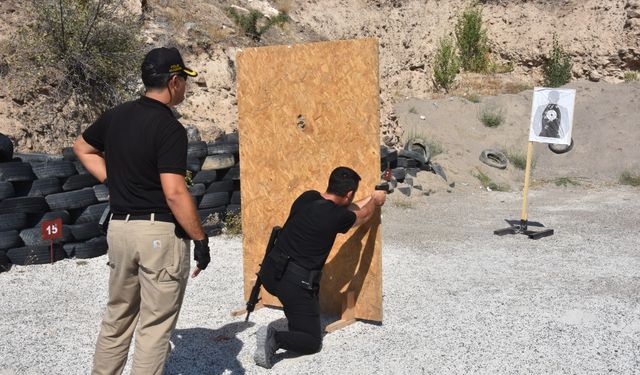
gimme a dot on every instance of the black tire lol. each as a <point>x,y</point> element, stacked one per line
<point>561,149</point>
<point>210,200</point>
<point>86,231</point>
<point>33,236</point>
<point>233,209</point>
<point>13,220</point>
<point>5,264</point>
<point>10,239</point>
<point>403,162</point>
<point>233,173</point>
<point>80,168</point>
<point>215,162</point>
<point>217,148</point>
<point>194,165</point>
<point>419,146</point>
<point>205,177</point>
<point>27,205</point>
<point>388,157</point>
<point>68,154</point>
<point>6,190</point>
<point>79,181</point>
<point>493,158</point>
<point>93,248</point>
<point>35,157</point>
<point>231,138</point>
<point>235,198</point>
<point>54,168</point>
<point>16,171</point>
<point>197,149</point>
<point>197,190</point>
<point>41,254</point>
<point>6,148</point>
<point>44,186</point>
<point>72,199</point>
<point>417,156</point>
<point>90,214</point>
<point>220,186</point>
<point>437,169</point>
<point>62,215</point>
<point>399,173</point>
<point>102,192</point>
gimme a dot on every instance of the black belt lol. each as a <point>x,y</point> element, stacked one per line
<point>164,217</point>
<point>307,279</point>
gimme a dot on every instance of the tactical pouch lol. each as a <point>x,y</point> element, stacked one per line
<point>280,261</point>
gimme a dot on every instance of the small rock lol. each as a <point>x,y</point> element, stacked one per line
<point>595,76</point>
<point>406,190</point>
<point>422,117</point>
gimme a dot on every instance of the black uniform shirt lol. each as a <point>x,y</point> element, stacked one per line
<point>311,229</point>
<point>140,140</point>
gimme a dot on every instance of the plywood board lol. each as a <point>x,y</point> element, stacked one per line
<point>304,110</point>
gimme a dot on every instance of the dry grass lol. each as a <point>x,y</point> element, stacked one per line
<point>629,178</point>
<point>232,224</point>
<point>488,183</point>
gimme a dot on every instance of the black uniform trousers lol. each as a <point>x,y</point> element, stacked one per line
<point>302,309</point>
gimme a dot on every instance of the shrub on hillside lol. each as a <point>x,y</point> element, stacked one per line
<point>85,52</point>
<point>472,40</point>
<point>445,64</point>
<point>557,67</point>
<point>252,23</point>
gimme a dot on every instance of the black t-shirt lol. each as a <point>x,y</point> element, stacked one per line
<point>311,229</point>
<point>140,140</point>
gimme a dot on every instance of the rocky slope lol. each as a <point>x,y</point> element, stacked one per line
<point>600,35</point>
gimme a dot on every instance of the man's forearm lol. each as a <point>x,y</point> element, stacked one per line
<point>91,159</point>
<point>184,210</point>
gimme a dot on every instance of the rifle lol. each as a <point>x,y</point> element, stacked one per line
<point>255,292</point>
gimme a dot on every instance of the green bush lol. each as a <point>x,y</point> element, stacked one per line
<point>628,178</point>
<point>86,52</point>
<point>518,159</point>
<point>252,24</point>
<point>492,118</point>
<point>445,64</point>
<point>557,67</point>
<point>472,40</point>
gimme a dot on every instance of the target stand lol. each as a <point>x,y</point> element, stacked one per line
<point>522,226</point>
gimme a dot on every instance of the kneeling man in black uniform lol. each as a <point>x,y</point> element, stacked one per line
<point>292,270</point>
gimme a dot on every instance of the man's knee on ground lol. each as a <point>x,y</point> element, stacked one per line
<point>312,347</point>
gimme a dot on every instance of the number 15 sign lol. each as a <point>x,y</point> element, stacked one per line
<point>51,229</point>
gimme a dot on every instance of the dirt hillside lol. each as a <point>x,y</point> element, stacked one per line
<point>600,35</point>
<point>605,133</point>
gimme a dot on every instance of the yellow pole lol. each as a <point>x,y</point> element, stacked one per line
<point>527,173</point>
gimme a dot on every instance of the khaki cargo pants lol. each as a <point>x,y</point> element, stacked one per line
<point>149,272</point>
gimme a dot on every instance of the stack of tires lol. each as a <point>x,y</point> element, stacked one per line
<point>37,187</point>
<point>40,187</point>
<point>215,167</point>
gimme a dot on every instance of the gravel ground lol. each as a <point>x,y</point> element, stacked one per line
<point>457,299</point>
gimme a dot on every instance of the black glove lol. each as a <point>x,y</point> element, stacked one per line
<point>201,253</point>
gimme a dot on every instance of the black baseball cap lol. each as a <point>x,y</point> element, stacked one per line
<point>165,60</point>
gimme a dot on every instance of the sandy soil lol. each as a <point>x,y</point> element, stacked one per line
<point>606,131</point>
<point>456,298</point>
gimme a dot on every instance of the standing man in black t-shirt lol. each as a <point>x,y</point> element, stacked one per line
<point>292,270</point>
<point>142,149</point>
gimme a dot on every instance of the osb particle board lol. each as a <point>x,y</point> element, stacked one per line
<point>304,110</point>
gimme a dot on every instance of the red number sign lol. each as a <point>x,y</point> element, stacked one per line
<point>51,229</point>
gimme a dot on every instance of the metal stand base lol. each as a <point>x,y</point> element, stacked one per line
<point>521,227</point>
